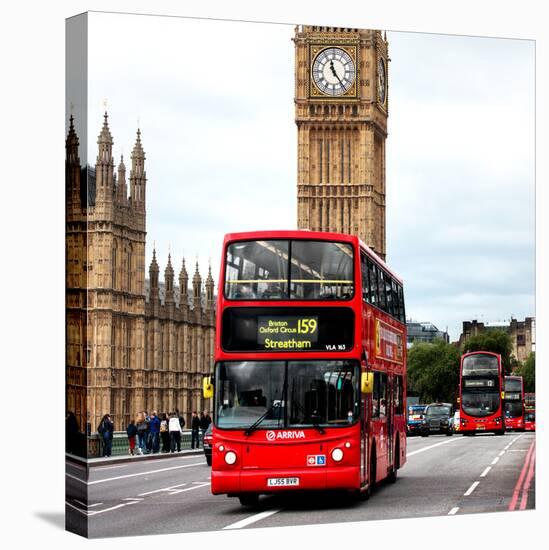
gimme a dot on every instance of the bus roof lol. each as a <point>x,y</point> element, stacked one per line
<point>312,235</point>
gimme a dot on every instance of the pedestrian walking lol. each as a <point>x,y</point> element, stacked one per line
<point>71,433</point>
<point>131,430</point>
<point>175,433</point>
<point>181,418</point>
<point>148,436</point>
<point>154,426</point>
<point>165,433</point>
<point>106,429</point>
<point>142,429</point>
<point>204,422</point>
<point>195,427</point>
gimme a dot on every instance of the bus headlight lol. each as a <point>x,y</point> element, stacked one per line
<point>337,455</point>
<point>230,458</point>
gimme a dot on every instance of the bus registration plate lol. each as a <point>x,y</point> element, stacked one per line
<point>481,427</point>
<point>282,481</point>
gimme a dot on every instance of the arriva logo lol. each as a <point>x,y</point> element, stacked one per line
<point>271,436</point>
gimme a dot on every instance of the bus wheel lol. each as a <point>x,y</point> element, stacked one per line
<point>392,477</point>
<point>249,499</point>
<point>373,469</point>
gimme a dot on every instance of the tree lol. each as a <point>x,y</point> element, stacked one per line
<point>496,341</point>
<point>528,373</point>
<point>433,371</point>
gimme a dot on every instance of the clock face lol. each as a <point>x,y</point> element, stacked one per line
<point>381,81</point>
<point>333,71</point>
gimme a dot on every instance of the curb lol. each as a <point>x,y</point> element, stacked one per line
<point>91,462</point>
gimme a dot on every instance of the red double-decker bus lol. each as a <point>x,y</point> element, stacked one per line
<point>514,403</point>
<point>481,393</point>
<point>310,366</point>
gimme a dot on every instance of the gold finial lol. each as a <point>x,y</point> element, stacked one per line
<point>72,107</point>
<point>105,103</point>
<point>138,121</point>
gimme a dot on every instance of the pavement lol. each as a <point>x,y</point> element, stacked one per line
<point>442,476</point>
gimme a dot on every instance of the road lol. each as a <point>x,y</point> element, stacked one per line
<point>443,475</point>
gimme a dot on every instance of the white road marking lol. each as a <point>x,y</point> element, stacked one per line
<point>518,450</point>
<point>188,489</point>
<point>76,478</point>
<point>96,504</point>
<point>76,508</point>
<point>453,511</point>
<point>171,487</point>
<point>484,474</point>
<point>112,508</point>
<point>495,460</point>
<point>142,473</point>
<point>251,519</point>
<point>432,446</point>
<point>139,461</point>
<point>471,489</point>
<point>132,498</point>
<point>501,453</point>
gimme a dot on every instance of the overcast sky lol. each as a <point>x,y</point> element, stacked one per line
<point>214,101</point>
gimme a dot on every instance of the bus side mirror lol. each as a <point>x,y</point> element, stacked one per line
<point>207,387</point>
<point>459,400</point>
<point>367,382</point>
<point>503,395</point>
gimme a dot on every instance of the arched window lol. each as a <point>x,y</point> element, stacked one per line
<point>129,267</point>
<point>113,264</point>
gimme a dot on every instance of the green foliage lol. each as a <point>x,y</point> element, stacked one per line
<point>496,341</point>
<point>433,371</point>
<point>528,373</point>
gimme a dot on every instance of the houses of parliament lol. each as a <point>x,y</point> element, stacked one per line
<point>130,347</point>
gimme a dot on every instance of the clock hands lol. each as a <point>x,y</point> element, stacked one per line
<point>335,73</point>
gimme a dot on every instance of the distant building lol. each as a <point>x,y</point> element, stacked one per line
<point>424,332</point>
<point>522,333</point>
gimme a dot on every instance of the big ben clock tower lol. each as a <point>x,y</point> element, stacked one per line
<point>341,109</point>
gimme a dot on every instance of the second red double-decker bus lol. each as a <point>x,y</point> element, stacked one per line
<point>514,403</point>
<point>481,393</point>
<point>310,366</point>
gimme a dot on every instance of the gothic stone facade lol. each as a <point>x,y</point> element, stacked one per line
<point>341,135</point>
<point>126,350</point>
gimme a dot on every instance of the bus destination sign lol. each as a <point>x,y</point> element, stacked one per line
<point>289,333</point>
<point>280,330</point>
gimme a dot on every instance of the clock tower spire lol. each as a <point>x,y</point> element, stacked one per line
<point>341,110</point>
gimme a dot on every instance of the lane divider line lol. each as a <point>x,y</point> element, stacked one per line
<point>95,512</point>
<point>453,511</point>
<point>160,490</point>
<point>528,482</point>
<point>251,519</point>
<point>495,460</point>
<point>76,508</point>
<point>522,476</point>
<point>143,473</point>
<point>471,489</point>
<point>485,473</point>
<point>188,489</point>
<point>501,453</point>
<point>432,446</point>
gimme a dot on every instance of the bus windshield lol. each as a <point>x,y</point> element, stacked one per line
<point>480,403</point>
<point>289,393</point>
<point>289,270</point>
<point>480,365</point>
<point>513,409</point>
